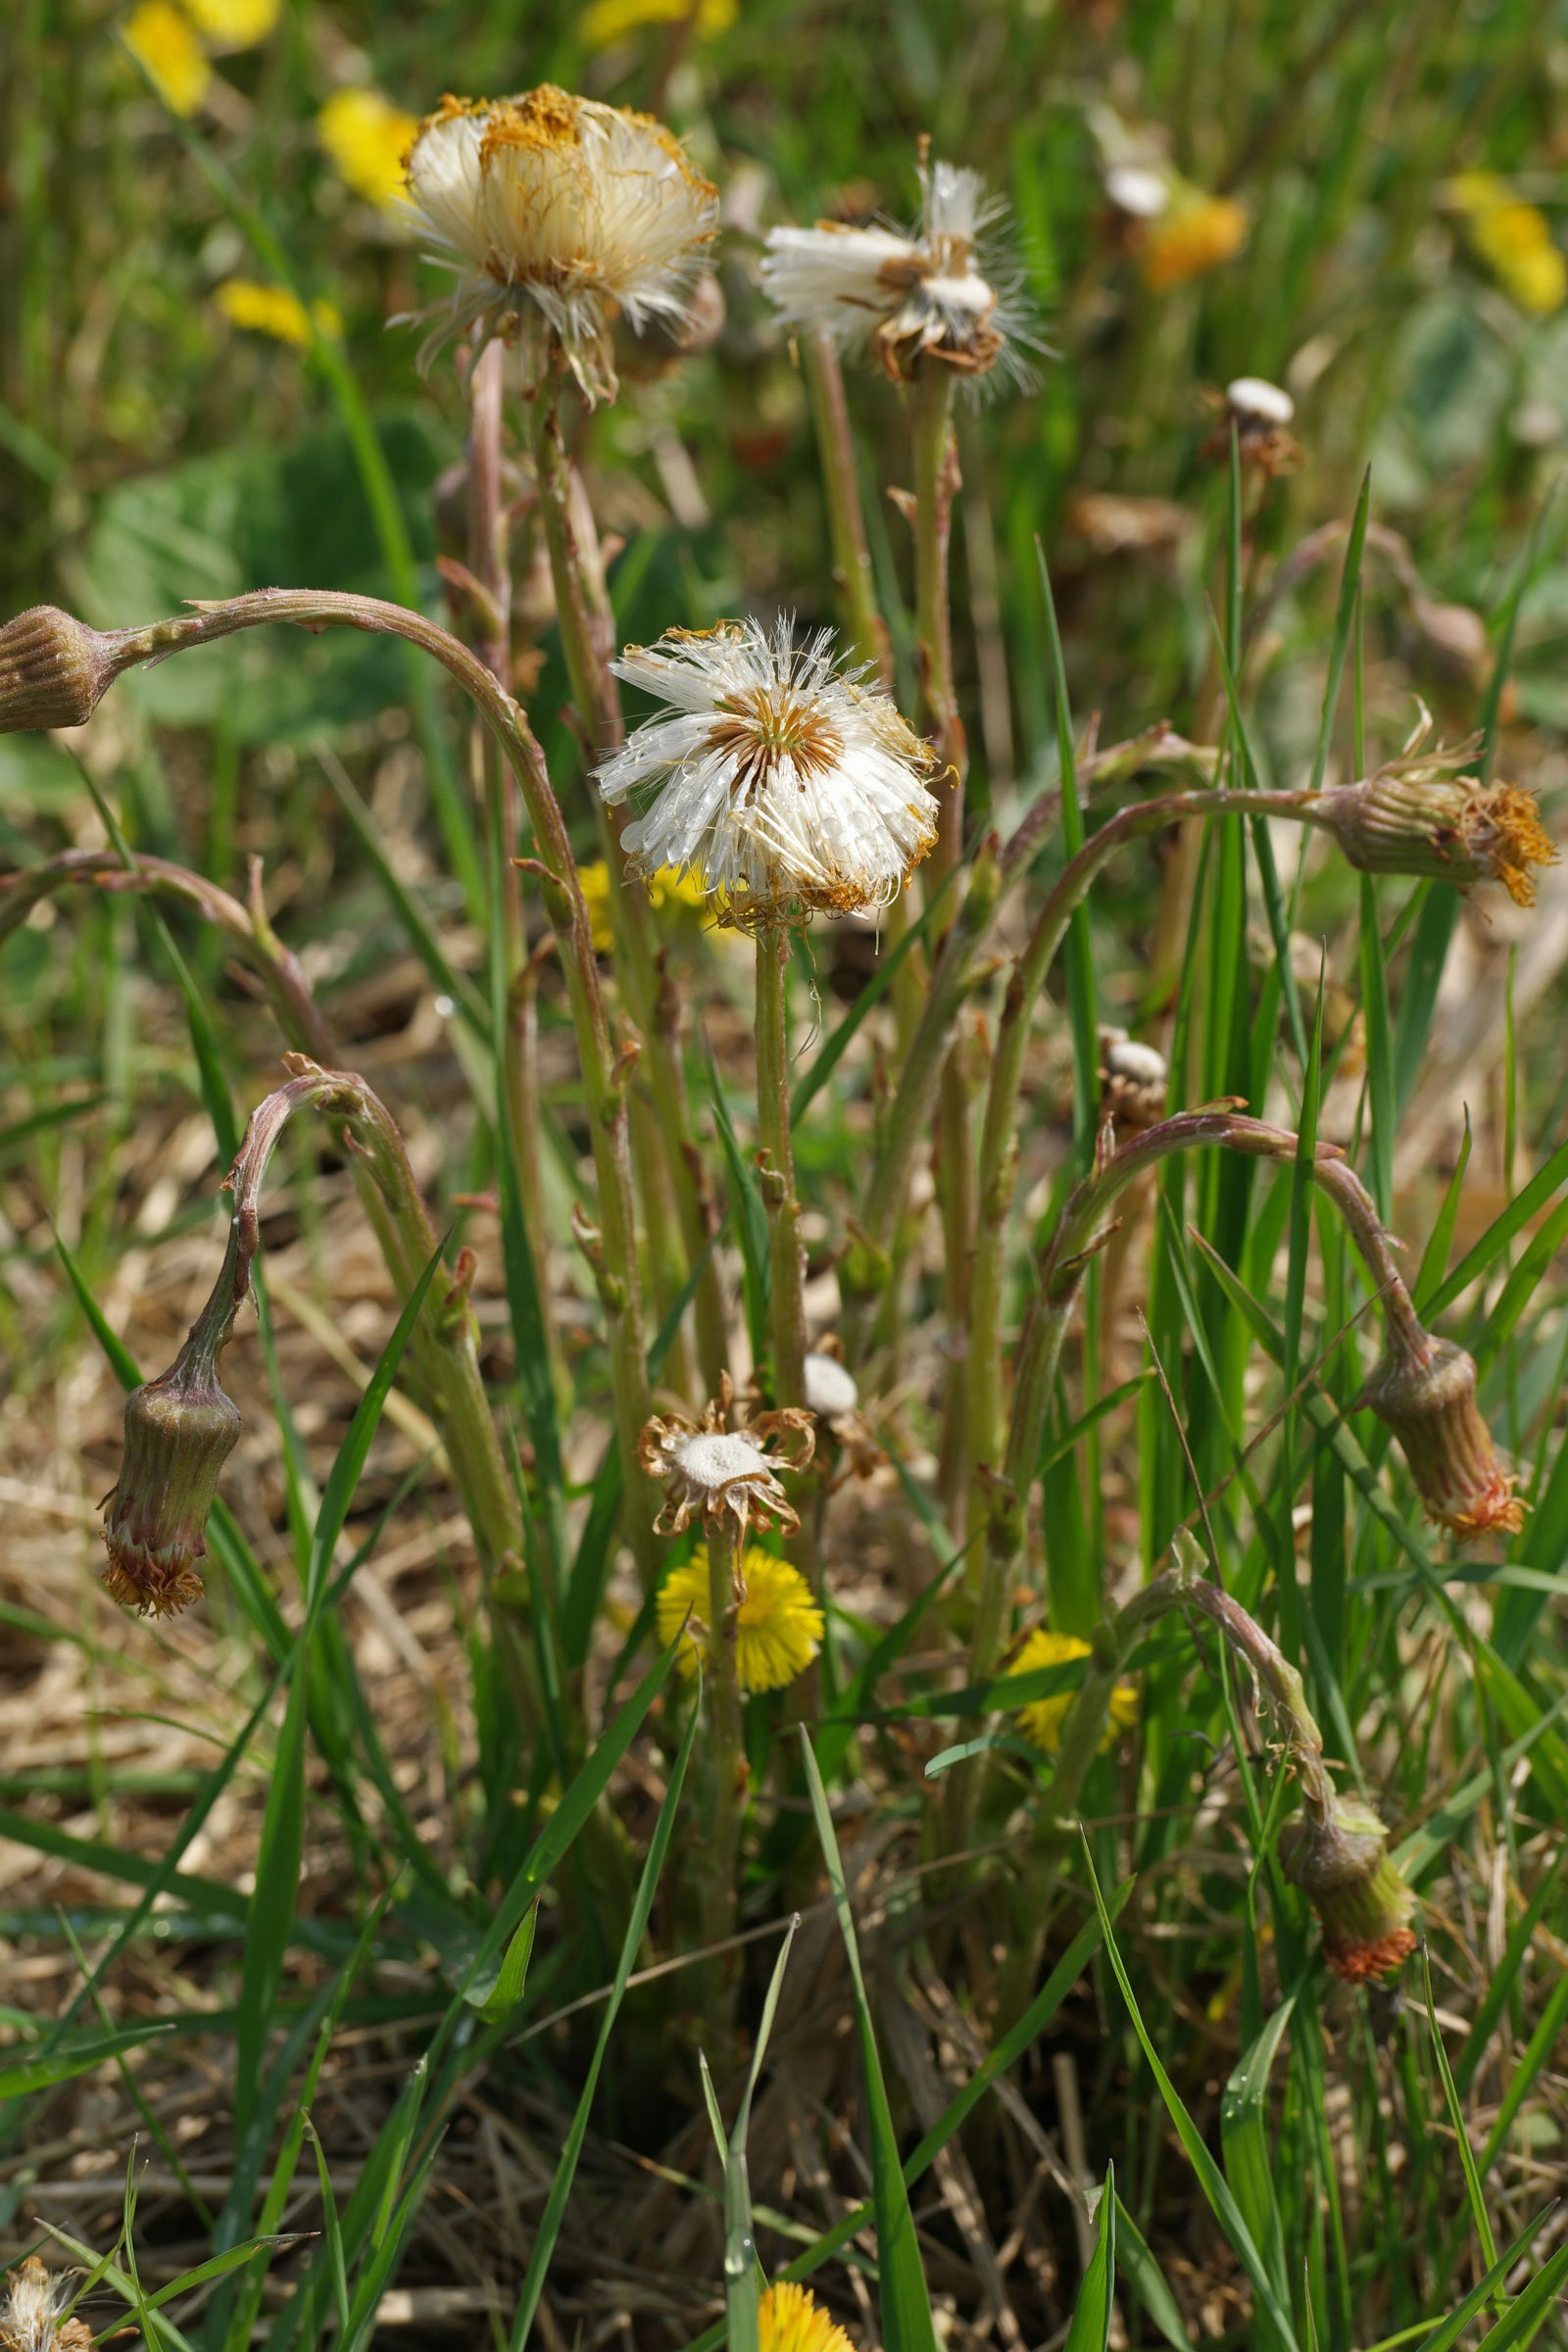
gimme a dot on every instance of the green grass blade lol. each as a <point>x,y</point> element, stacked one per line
<point>1212,2182</point>
<point>1090,2314</point>
<point>905,2306</point>
<point>550,2219</point>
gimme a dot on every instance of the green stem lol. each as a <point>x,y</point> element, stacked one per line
<point>853,576</point>
<point>664,1132</point>
<point>787,1255</point>
<point>603,1072</point>
<point>723,1842</point>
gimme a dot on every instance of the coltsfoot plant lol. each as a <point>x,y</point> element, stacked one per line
<point>899,1410</point>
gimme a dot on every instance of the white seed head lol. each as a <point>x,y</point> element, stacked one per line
<point>786,786</point>
<point>829,1389</point>
<point>1142,194</point>
<point>1136,1065</point>
<point>1253,400</point>
<point>555,212</point>
<point>934,292</point>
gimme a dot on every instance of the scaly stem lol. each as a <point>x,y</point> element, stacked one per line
<point>721,1843</point>
<point>787,1255</point>
<point>446,1365</point>
<point>1081,1232</point>
<point>668,1162</point>
<point>603,1072</point>
<point>864,628</point>
<point>936,482</point>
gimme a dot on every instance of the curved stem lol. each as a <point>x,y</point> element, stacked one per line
<point>603,1072</point>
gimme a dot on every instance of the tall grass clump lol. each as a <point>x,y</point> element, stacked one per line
<point>826,795</point>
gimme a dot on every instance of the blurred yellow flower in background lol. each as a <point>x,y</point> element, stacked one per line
<point>778,1626</point>
<point>273,311</point>
<point>366,139</point>
<point>1042,1719</point>
<point>605,21</point>
<point>163,42</point>
<point>667,888</point>
<point>1194,236</point>
<point>234,23</point>
<point>1513,240</point>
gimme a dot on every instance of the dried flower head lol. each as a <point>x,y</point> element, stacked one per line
<point>53,671</point>
<point>833,1394</point>
<point>1133,1081</point>
<point>789,2320</point>
<point>29,2317</point>
<point>778,1625</point>
<point>939,292</point>
<point>1041,1719</point>
<point>708,1469</point>
<point>555,213</point>
<point>1425,1389</point>
<point>1364,1903</point>
<point>1260,413</point>
<point>1418,816</point>
<point>787,786</point>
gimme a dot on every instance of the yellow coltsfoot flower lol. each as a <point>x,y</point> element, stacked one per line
<point>164,42</point>
<point>1041,1719</point>
<point>1195,233</point>
<point>778,1625</point>
<point>367,137</point>
<point>789,2320</point>
<point>234,23</point>
<point>273,311</point>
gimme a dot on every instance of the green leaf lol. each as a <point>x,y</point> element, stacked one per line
<point>905,2306</point>
<point>1210,2179</point>
<point>1090,2314</point>
<point>74,2058</point>
<point>549,2226</point>
<point>507,1989</point>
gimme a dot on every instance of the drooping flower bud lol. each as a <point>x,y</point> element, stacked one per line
<point>1424,1388</point>
<point>1417,817</point>
<point>179,1431</point>
<point>1363,1904</point>
<point>53,671</point>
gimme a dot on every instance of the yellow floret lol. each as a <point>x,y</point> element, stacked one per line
<point>605,21</point>
<point>1041,1719</point>
<point>165,45</point>
<point>367,138</point>
<point>778,1625</point>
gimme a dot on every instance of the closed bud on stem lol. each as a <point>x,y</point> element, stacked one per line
<point>179,1431</point>
<point>1424,1388</point>
<point>1362,1901</point>
<point>53,671</point>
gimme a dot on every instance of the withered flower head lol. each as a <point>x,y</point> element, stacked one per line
<point>1260,414</point>
<point>1133,1081</point>
<point>833,1394</point>
<point>29,2317</point>
<point>1419,815</point>
<point>784,784</point>
<point>939,292</point>
<point>557,214</point>
<point>1363,1904</point>
<point>53,671</point>
<point>1425,1389</point>
<point>707,1468</point>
